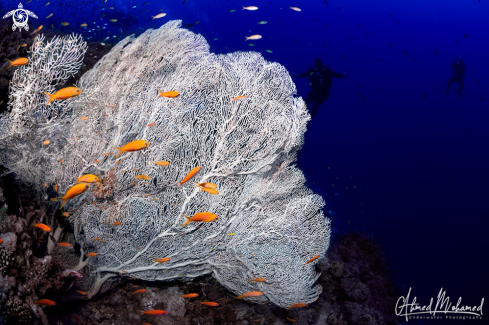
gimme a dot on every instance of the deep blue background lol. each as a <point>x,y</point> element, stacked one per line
<point>421,178</point>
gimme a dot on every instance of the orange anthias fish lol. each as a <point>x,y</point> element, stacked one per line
<point>132,146</point>
<point>139,291</point>
<point>81,292</point>
<point>66,214</point>
<point>73,191</point>
<point>168,94</point>
<point>1,240</point>
<point>238,97</point>
<point>95,239</point>
<point>143,177</point>
<point>64,93</point>
<point>18,62</point>
<point>291,319</point>
<point>65,245</point>
<point>206,185</point>
<point>42,227</point>
<point>258,280</point>
<point>312,259</point>
<point>161,260</point>
<point>37,30</point>
<point>116,223</point>
<point>91,254</point>
<point>45,302</point>
<point>190,295</point>
<point>162,163</point>
<point>209,303</point>
<point>250,294</point>
<point>151,124</point>
<point>191,174</point>
<point>45,143</point>
<point>154,312</point>
<point>298,305</point>
<point>87,178</point>
<point>209,190</point>
<point>201,216</point>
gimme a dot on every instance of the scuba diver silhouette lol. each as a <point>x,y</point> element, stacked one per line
<point>458,67</point>
<point>320,80</point>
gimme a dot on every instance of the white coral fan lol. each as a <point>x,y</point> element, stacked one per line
<point>269,223</point>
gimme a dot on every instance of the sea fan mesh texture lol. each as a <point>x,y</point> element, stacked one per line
<point>269,223</point>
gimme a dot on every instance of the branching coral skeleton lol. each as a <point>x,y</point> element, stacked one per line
<point>269,223</point>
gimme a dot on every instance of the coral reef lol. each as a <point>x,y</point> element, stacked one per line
<point>357,291</point>
<point>236,117</point>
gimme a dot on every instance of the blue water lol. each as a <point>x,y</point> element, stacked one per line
<point>419,165</point>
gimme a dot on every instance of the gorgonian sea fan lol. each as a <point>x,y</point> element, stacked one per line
<point>269,223</point>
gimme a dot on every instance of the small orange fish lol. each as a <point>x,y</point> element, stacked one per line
<point>37,30</point>
<point>65,245</point>
<point>291,319</point>
<point>65,23</point>
<point>209,303</point>
<point>133,184</point>
<point>95,239</point>
<point>62,161</point>
<point>191,174</point>
<point>146,177</point>
<point>190,295</point>
<point>168,94</point>
<point>201,216</point>
<point>151,124</point>
<point>97,161</point>
<point>42,227</point>
<point>312,259</point>
<point>118,162</point>
<point>73,191</point>
<point>55,187</point>
<point>81,292</point>
<point>298,305</point>
<point>64,93</point>
<point>161,260</point>
<point>132,146</point>
<point>154,312</point>
<point>84,118</point>
<point>238,97</point>
<point>258,280</point>
<point>87,178</point>
<point>139,291</point>
<point>18,62</point>
<point>250,294</point>
<point>45,184</point>
<point>162,163</point>
<point>135,169</point>
<point>91,254</point>
<point>45,143</point>
<point>206,185</point>
<point>116,223</point>
<point>1,241</point>
<point>65,214</point>
<point>45,302</point>
<point>209,190</point>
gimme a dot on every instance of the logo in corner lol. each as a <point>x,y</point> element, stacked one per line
<point>20,17</point>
